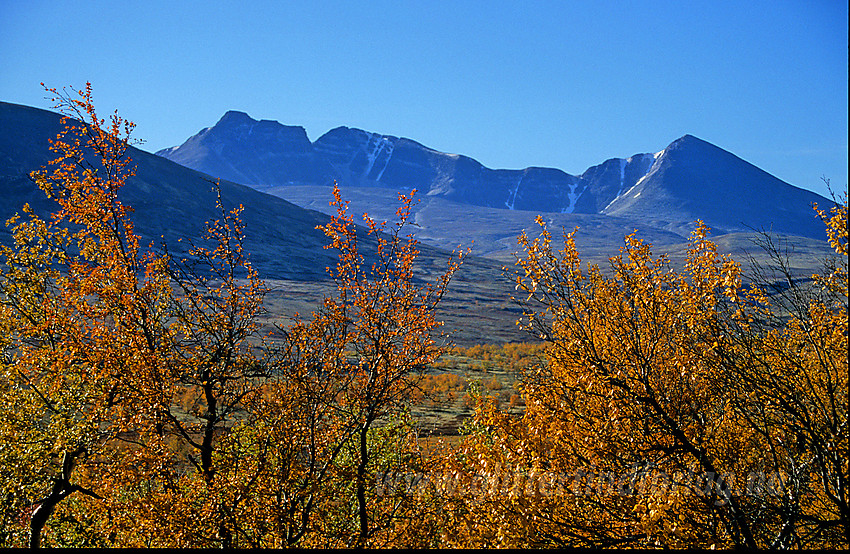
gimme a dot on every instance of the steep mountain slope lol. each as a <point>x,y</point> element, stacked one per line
<point>689,180</point>
<point>693,179</point>
<point>169,200</point>
<point>608,180</point>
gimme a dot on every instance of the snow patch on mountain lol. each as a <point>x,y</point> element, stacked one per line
<point>573,197</point>
<point>388,148</point>
<point>511,201</point>
<point>375,145</point>
<point>643,163</point>
<point>623,164</point>
<point>649,171</point>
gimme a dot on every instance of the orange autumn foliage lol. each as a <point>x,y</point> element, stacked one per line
<point>676,409</point>
<point>163,417</point>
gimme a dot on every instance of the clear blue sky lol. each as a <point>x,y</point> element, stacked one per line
<point>564,84</point>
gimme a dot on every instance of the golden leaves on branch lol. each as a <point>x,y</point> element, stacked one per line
<point>679,372</point>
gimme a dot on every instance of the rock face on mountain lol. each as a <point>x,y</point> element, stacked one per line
<point>605,182</point>
<point>689,180</point>
<point>267,154</point>
<point>368,159</point>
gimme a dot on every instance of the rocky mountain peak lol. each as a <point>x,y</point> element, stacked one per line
<point>689,179</point>
<point>234,117</point>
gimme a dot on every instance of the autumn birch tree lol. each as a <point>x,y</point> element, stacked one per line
<point>675,409</point>
<point>102,336</point>
<point>75,305</point>
<point>364,351</point>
